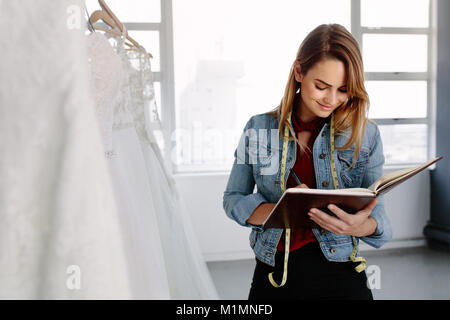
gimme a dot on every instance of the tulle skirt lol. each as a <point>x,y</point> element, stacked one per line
<point>164,257</point>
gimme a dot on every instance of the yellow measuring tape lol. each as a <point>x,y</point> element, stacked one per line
<point>358,268</point>
<point>362,266</point>
<point>288,230</point>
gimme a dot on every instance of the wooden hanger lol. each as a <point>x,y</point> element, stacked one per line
<point>107,16</point>
<point>105,7</point>
<point>101,15</point>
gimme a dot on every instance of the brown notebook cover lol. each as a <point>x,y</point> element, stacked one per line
<point>292,209</point>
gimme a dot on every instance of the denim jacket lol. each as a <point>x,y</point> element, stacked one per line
<point>258,162</point>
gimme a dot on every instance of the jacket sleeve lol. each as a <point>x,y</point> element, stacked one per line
<point>373,172</point>
<point>239,201</point>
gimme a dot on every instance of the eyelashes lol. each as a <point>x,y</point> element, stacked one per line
<point>321,89</point>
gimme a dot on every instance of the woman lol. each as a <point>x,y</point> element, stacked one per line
<point>318,137</point>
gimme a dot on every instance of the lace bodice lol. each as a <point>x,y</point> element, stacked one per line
<point>136,104</point>
<point>106,75</point>
<point>137,95</point>
<point>141,95</point>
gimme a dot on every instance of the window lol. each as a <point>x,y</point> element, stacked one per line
<point>218,62</point>
<point>232,60</point>
<point>399,64</point>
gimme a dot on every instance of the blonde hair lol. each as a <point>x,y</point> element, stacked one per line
<point>331,41</point>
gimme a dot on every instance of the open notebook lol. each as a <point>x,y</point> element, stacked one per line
<point>291,211</point>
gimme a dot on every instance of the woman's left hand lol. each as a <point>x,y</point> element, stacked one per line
<point>359,224</point>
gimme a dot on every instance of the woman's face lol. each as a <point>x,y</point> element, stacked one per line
<point>323,89</point>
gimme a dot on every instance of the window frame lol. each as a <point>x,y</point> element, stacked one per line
<point>429,76</point>
<point>166,76</point>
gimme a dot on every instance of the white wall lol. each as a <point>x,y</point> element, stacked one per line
<point>408,206</point>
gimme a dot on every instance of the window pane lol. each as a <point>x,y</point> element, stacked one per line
<point>397,13</point>
<point>150,41</point>
<point>131,10</point>
<point>233,62</point>
<point>395,53</point>
<point>397,99</point>
<point>404,144</point>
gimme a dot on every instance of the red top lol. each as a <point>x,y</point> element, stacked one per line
<point>304,170</point>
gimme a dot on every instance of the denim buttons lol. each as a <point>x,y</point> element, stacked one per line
<point>333,250</point>
<point>325,184</point>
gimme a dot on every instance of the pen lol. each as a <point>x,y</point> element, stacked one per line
<point>295,177</point>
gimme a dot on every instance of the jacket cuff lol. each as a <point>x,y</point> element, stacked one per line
<point>383,232</point>
<point>245,207</point>
<point>377,215</point>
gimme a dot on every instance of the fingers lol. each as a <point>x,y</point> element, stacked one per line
<point>326,221</point>
<point>341,214</point>
<point>302,186</point>
<point>344,223</point>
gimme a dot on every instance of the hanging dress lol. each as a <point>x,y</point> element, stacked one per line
<point>60,232</point>
<point>133,194</point>
<point>187,274</point>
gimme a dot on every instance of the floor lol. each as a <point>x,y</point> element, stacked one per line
<point>404,274</point>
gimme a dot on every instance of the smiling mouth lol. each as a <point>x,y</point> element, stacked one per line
<point>325,107</point>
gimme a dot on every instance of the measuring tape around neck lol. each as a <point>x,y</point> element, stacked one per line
<point>288,230</point>
<point>353,258</point>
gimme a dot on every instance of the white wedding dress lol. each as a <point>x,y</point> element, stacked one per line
<point>88,209</point>
<point>139,226</point>
<point>162,249</point>
<point>60,230</point>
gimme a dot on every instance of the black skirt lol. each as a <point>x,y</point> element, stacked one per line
<point>310,276</point>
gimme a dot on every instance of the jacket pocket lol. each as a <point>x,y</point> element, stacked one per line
<point>351,175</point>
<point>268,160</point>
<point>267,167</point>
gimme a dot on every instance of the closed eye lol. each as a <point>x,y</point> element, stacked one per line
<point>341,90</point>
